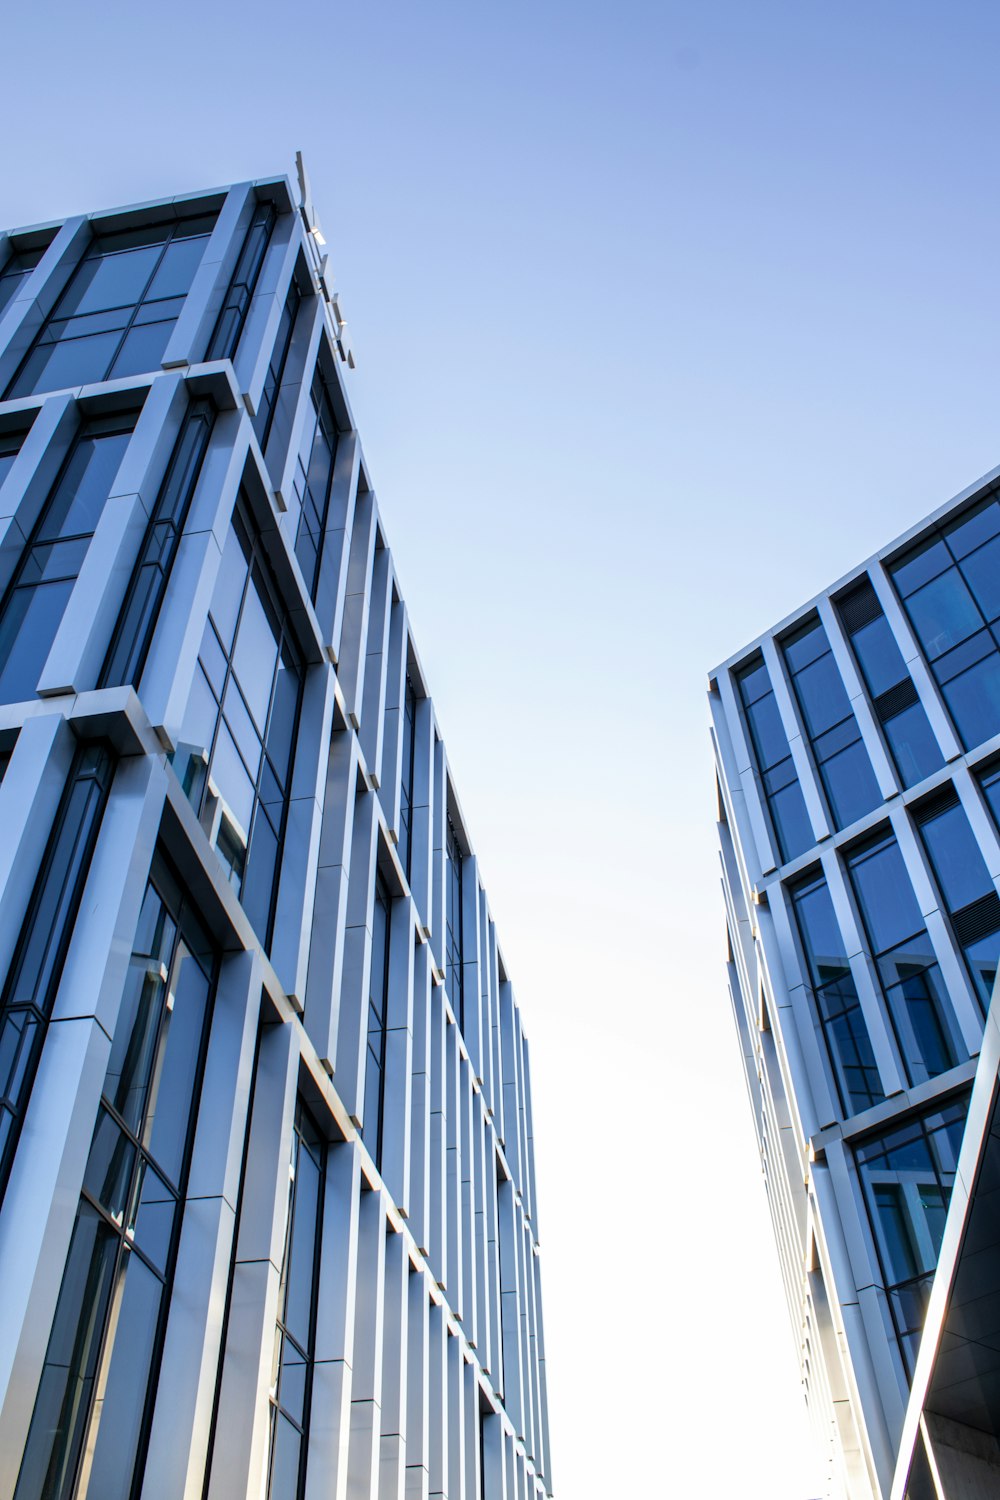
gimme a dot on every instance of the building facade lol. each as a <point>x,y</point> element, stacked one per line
<point>267,1205</point>
<point>858,758</point>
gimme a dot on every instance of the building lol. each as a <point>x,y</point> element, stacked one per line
<point>268,1223</point>
<point>858,758</point>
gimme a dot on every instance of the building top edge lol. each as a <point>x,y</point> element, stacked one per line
<point>884,554</point>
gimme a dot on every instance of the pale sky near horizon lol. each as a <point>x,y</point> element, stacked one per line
<point>666,314</point>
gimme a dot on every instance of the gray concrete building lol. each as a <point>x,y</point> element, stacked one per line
<point>857,749</point>
<point>268,1223</point>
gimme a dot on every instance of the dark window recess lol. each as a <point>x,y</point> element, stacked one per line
<point>119,308</point>
<point>378,1011</point>
<point>37,965</point>
<point>243,714</point>
<point>905,961</point>
<point>295,1340</point>
<point>406,775</point>
<point>17,268</point>
<point>226,335</point>
<point>10,447</point>
<point>277,405</point>
<point>841,757</point>
<point>134,632</point>
<point>95,1398</point>
<point>950,588</point>
<point>844,1030</point>
<point>897,706</point>
<point>453,925</point>
<point>968,893</point>
<point>33,602</point>
<point>313,483</point>
<point>780,784</point>
<point>907,1176</point>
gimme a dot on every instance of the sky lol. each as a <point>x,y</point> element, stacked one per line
<point>666,314</point>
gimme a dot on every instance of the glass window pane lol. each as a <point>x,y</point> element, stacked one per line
<point>227,595</point>
<point>788,809</point>
<point>27,631</point>
<point>850,784</point>
<point>284,1483</point>
<point>885,895</point>
<point>955,855</point>
<point>142,350</point>
<point>914,749</point>
<point>943,613</point>
<point>120,1413</point>
<point>255,655</point>
<point>54,367</point>
<point>172,1098</point>
<point>302,1249</point>
<point>110,281</point>
<point>974,701</point>
<point>981,570</point>
<point>176,270</point>
<point>879,656</point>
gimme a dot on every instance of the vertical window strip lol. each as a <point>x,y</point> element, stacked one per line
<point>229,325</point>
<point>914,750</point>
<point>838,1005</point>
<point>37,965</point>
<point>967,891</point>
<point>453,926</point>
<point>295,1334</point>
<point>33,602</point>
<point>17,268</point>
<point>907,1175</point>
<point>406,778</point>
<point>904,959</point>
<point>378,1012</point>
<point>95,1399</point>
<point>841,758</point>
<point>313,484</point>
<point>778,778</point>
<point>264,419</point>
<point>147,587</point>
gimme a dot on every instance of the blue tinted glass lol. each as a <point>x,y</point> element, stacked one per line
<point>754,683</point>
<point>885,895</point>
<point>914,749</point>
<point>75,507</point>
<point>105,281</point>
<point>982,958</point>
<point>879,656</point>
<point>991,789</point>
<point>767,731</point>
<point>974,701</point>
<point>944,613</point>
<point>955,855</point>
<point>302,1248</point>
<point>124,1401</point>
<point>850,784</point>
<point>142,350</point>
<point>974,528</point>
<point>72,362</point>
<point>805,647</point>
<point>27,630</point>
<point>981,570</point>
<point>794,830</point>
<point>926,562</point>
<point>821,694</point>
<point>821,935</point>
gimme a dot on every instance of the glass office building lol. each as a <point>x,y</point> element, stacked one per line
<point>267,1204</point>
<point>857,751</point>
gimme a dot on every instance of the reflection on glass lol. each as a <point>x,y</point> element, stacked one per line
<point>774,762</point>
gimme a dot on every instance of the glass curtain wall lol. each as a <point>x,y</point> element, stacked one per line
<point>34,600</point>
<point>17,268</point>
<point>33,977</point>
<point>406,776</point>
<point>243,712</point>
<point>119,308</point>
<point>313,482</point>
<point>780,783</point>
<point>906,1176</point>
<point>905,961</point>
<point>915,751</point>
<point>295,1334</point>
<point>453,925</point>
<point>378,1008</point>
<point>844,1029</point>
<point>95,1399</point>
<point>968,893</point>
<point>950,588</point>
<point>277,405</point>
<point>841,757</point>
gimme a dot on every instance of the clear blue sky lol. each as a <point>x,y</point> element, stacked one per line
<point>665,314</point>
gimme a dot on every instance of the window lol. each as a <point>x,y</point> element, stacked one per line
<point>453,925</point>
<point>378,1012</point>
<point>36,968</point>
<point>904,721</point>
<point>147,586</point>
<point>95,1398</point>
<point>904,959</point>
<point>32,605</point>
<point>950,590</point>
<point>406,776</point>
<point>314,481</point>
<point>276,406</point>
<point>118,310</point>
<point>968,893</point>
<point>840,1014</point>
<point>841,758</point>
<point>295,1336</point>
<point>781,787</point>
<point>10,447</point>
<point>16,271</point>
<point>906,1177</point>
<point>229,326</point>
<point>243,711</point>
